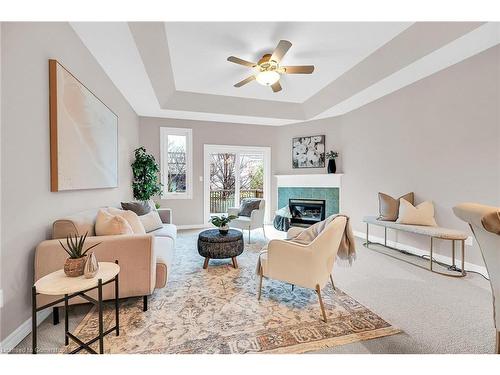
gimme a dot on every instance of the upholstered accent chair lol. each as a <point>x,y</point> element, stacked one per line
<point>477,215</point>
<point>309,266</point>
<point>254,221</point>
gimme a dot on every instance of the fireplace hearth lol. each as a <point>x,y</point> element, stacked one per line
<point>306,212</point>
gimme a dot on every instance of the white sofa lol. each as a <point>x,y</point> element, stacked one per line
<point>145,260</point>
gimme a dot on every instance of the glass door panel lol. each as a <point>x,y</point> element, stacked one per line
<point>223,182</point>
<point>251,175</point>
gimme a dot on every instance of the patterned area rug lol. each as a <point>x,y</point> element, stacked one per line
<point>217,311</point>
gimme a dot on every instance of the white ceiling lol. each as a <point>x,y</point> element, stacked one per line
<point>198,53</point>
<point>179,70</point>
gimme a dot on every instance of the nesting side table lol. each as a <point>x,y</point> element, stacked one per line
<point>57,283</point>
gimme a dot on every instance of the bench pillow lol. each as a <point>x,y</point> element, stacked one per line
<point>422,214</point>
<point>389,207</point>
<point>491,222</point>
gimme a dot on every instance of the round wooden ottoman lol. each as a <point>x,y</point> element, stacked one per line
<point>214,245</point>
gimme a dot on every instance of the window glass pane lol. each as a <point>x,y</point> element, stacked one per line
<point>251,176</point>
<point>176,163</point>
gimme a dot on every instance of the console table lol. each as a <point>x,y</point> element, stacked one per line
<point>57,284</point>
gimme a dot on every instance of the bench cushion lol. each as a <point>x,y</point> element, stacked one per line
<point>437,232</point>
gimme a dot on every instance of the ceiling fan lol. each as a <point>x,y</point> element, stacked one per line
<point>268,71</point>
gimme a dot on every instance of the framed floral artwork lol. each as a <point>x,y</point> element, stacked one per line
<point>308,152</point>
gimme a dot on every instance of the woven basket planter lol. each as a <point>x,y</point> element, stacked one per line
<point>74,267</point>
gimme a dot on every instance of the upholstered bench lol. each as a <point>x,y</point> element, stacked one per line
<point>432,232</point>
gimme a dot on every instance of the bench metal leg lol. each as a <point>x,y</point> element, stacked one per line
<point>367,242</point>
<point>463,257</point>
<point>385,236</point>
<point>430,258</point>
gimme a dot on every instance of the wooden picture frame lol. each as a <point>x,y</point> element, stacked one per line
<point>83,135</point>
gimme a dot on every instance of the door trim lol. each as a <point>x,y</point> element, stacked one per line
<point>211,148</point>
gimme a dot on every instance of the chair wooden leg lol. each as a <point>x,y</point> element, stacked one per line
<point>498,343</point>
<point>235,262</point>
<point>259,292</point>
<point>293,287</point>
<point>333,285</point>
<point>249,236</point>
<point>205,263</point>
<point>318,291</point>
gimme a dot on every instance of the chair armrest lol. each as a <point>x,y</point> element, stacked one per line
<point>165,215</point>
<point>294,232</point>
<point>135,255</point>
<point>233,211</point>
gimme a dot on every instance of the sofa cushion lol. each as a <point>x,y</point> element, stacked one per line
<point>167,230</point>
<point>248,205</point>
<point>389,207</point>
<point>131,218</point>
<point>151,221</point>
<point>107,224</point>
<point>140,208</point>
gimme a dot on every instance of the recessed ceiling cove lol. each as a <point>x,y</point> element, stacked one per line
<point>199,53</point>
<point>180,70</point>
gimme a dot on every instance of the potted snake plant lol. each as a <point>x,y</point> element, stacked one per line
<point>222,222</point>
<point>74,265</point>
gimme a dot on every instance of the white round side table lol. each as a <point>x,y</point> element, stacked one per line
<point>57,283</point>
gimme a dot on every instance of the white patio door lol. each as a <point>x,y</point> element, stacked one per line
<point>232,173</point>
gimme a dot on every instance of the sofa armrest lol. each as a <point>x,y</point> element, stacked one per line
<point>135,254</point>
<point>165,215</point>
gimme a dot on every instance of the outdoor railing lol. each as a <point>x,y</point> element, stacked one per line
<point>221,200</point>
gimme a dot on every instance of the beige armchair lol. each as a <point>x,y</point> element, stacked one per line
<point>255,221</point>
<point>308,266</point>
<point>489,243</point>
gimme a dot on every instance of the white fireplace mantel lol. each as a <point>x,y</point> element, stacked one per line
<point>309,180</point>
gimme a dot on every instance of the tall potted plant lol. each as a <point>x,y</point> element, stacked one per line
<point>146,171</point>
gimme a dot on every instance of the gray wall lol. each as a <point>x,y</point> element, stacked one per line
<point>439,137</point>
<point>28,206</point>
<point>190,211</point>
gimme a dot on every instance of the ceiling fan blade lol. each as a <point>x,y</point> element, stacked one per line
<point>280,50</point>
<point>237,60</point>
<point>276,86</point>
<point>301,69</point>
<point>245,81</point>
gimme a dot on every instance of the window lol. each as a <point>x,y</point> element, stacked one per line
<point>176,162</point>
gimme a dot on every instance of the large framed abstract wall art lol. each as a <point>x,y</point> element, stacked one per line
<point>83,135</point>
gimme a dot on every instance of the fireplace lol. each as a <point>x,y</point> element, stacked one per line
<point>306,212</point>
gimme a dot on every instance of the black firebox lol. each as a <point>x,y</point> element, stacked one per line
<point>306,212</point>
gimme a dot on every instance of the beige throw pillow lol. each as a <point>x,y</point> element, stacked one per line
<point>108,225</point>
<point>389,207</point>
<point>131,218</point>
<point>491,222</point>
<point>422,214</point>
<point>151,221</point>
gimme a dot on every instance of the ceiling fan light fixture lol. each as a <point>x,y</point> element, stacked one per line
<point>267,78</point>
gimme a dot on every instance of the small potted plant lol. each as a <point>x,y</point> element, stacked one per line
<point>331,155</point>
<point>222,222</point>
<point>74,265</point>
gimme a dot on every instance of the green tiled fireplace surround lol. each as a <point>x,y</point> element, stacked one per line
<point>330,195</point>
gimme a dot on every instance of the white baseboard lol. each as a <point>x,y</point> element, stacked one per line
<point>193,226</point>
<point>11,341</point>
<point>420,252</point>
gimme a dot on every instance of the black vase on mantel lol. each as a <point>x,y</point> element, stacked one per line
<point>332,167</point>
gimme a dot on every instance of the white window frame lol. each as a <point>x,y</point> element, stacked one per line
<point>188,133</point>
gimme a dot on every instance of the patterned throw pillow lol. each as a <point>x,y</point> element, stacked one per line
<point>248,205</point>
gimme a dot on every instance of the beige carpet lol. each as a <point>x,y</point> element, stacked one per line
<point>216,311</point>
